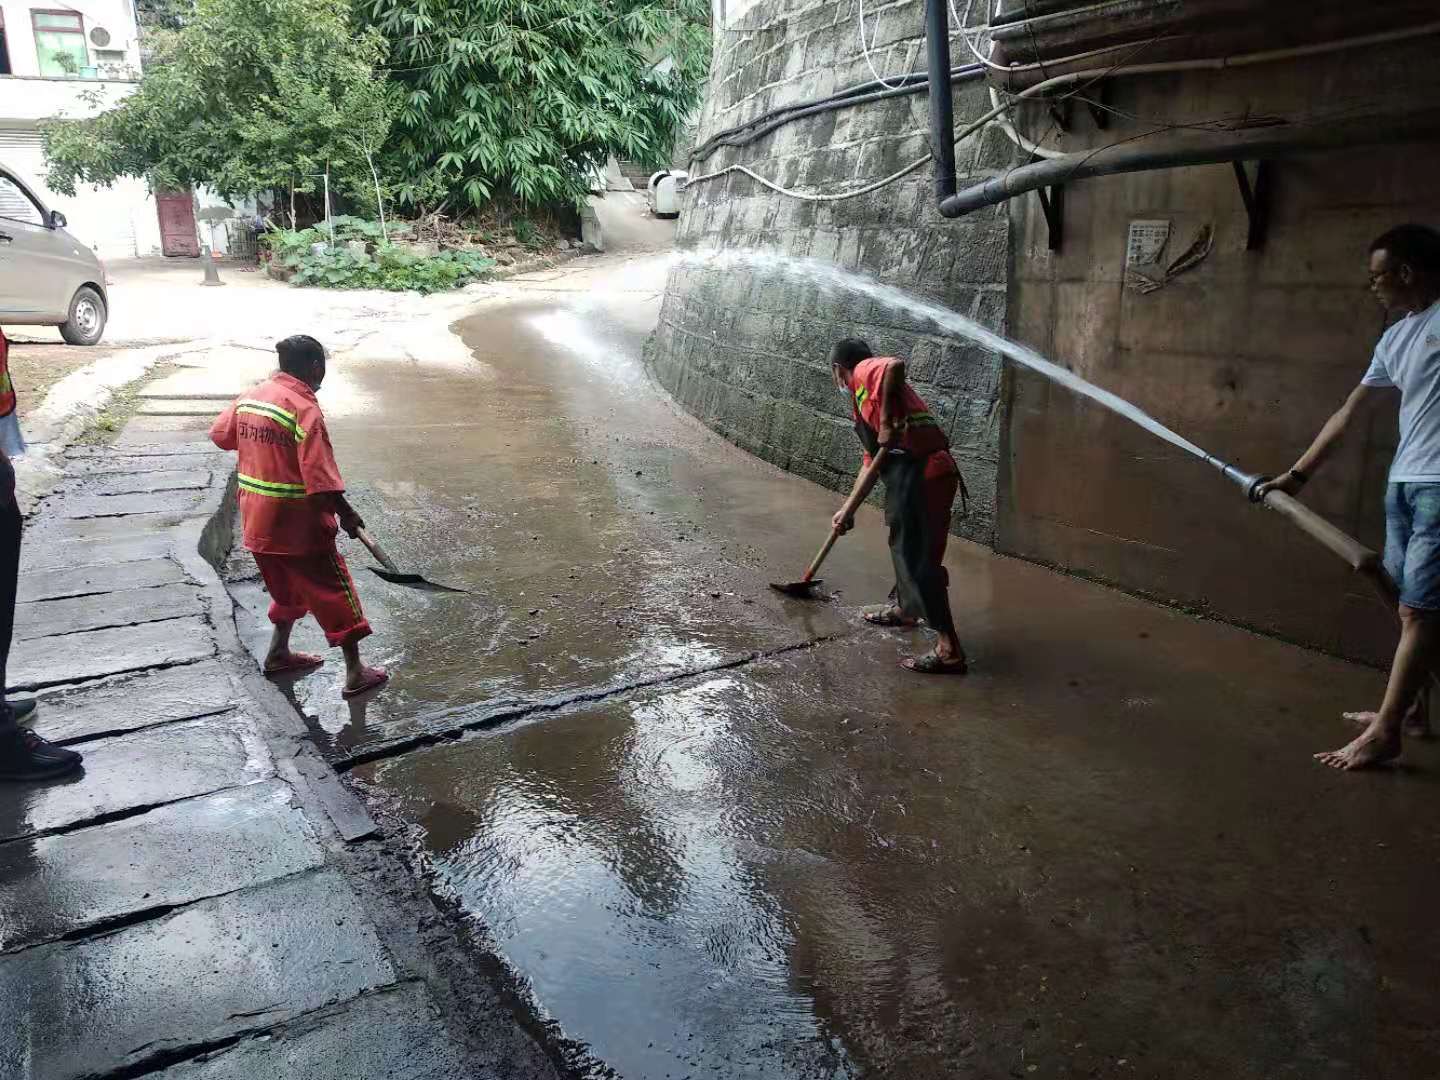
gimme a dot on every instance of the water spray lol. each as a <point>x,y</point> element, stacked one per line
<point>833,278</point>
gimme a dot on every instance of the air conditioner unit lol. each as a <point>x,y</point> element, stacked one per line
<point>100,37</point>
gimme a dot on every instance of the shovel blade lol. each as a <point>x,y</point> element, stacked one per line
<point>804,590</point>
<point>413,581</point>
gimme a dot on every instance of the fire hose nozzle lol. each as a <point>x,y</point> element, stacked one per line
<point>1249,482</point>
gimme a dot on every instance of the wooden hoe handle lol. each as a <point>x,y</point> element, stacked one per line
<point>375,549</point>
<point>1356,555</point>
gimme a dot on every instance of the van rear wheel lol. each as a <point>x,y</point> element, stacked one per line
<point>87,317</point>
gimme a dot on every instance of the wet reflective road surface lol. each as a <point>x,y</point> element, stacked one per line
<point>719,833</point>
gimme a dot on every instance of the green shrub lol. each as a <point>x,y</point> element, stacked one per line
<point>528,234</point>
<point>389,267</point>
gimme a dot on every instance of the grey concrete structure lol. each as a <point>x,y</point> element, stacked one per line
<point>746,351</point>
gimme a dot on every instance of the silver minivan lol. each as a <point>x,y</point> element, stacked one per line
<point>47,277</point>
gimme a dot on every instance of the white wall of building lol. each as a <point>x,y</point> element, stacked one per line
<point>119,221</point>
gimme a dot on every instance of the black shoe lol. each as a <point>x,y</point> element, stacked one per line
<point>22,708</point>
<point>24,755</point>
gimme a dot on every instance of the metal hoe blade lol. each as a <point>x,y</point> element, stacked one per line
<point>414,581</point>
<point>804,590</point>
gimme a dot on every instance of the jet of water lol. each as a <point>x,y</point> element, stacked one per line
<point>832,278</point>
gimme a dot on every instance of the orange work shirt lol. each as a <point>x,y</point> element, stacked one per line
<point>922,436</point>
<point>285,456</point>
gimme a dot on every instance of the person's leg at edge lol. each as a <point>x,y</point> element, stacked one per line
<point>1412,557</point>
<point>1381,741</point>
<point>24,755</point>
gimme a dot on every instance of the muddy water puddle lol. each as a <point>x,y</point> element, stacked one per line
<point>1105,853</point>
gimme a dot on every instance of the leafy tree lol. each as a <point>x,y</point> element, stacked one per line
<point>523,98</point>
<point>255,94</point>
<point>159,22</point>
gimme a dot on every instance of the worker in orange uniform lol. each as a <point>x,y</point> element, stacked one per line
<point>291,496</point>
<point>921,479</point>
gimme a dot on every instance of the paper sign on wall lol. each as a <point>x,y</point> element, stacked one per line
<point>1146,243</point>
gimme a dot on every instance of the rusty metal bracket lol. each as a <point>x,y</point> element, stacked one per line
<point>1256,196</point>
<point>1052,204</point>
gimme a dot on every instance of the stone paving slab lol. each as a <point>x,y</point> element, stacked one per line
<point>224,966</point>
<point>135,701</point>
<point>132,607</point>
<point>129,463</point>
<point>85,580</point>
<point>173,406</point>
<point>145,482</point>
<point>137,770</point>
<point>45,551</point>
<point>152,430</point>
<point>141,449</point>
<point>389,1034</point>
<point>176,854</point>
<point>109,529</point>
<point>151,502</point>
<point>93,653</point>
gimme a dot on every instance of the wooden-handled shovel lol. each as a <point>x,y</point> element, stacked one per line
<point>392,573</point>
<point>805,587</point>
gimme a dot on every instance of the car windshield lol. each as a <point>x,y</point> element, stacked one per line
<point>16,205</point>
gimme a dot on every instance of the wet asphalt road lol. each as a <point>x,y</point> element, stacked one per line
<point>1105,853</point>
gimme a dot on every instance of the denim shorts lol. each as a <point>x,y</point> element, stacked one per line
<point>1412,542</point>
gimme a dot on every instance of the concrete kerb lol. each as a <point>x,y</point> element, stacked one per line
<point>496,1021</point>
<point>201,547</point>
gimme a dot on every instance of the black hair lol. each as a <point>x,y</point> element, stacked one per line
<point>300,354</point>
<point>1417,245</point>
<point>848,352</point>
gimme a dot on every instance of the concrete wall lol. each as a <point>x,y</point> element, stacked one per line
<point>1246,355</point>
<point>119,59</point>
<point>119,221</point>
<point>747,352</point>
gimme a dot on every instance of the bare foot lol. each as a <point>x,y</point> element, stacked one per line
<point>1374,746</point>
<point>1415,726</point>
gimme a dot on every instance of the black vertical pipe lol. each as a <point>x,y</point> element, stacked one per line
<point>942,108</point>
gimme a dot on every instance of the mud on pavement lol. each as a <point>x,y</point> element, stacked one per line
<point>710,831</point>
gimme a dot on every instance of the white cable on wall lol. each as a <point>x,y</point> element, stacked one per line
<point>864,48</point>
<point>1207,64</point>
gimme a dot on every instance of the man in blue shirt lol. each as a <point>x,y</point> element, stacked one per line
<point>1405,277</point>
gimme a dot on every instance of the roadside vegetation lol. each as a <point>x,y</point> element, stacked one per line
<point>467,110</point>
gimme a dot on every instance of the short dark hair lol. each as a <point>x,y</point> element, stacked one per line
<point>848,352</point>
<point>1418,245</point>
<point>300,354</point>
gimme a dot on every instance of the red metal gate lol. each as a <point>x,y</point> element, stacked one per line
<point>177,223</point>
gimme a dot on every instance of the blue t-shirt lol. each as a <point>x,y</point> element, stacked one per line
<point>1408,358</point>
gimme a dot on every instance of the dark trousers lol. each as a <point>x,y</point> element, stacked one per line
<point>11,527</point>
<point>920,578</point>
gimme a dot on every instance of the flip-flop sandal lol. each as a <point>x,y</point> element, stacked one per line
<point>299,661</point>
<point>887,617</point>
<point>930,664</point>
<point>374,676</point>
